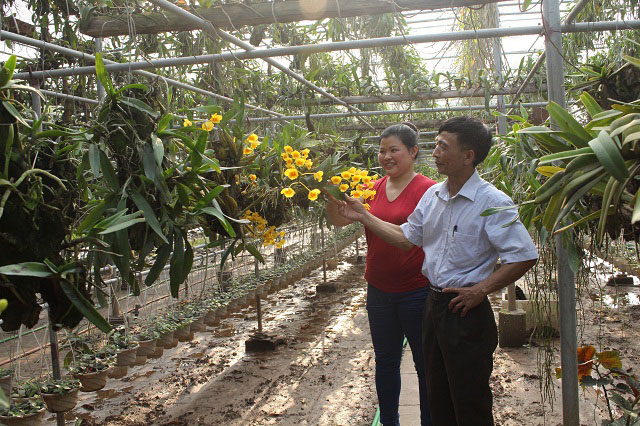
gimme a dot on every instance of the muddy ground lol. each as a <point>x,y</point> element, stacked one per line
<point>324,373</point>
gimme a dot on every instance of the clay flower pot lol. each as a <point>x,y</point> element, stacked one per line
<point>210,318</point>
<point>165,340</point>
<point>126,357</point>
<point>198,325</point>
<point>59,403</point>
<point>119,371</point>
<point>90,382</point>
<point>157,353</point>
<point>146,347</point>
<point>183,333</point>
<point>33,419</point>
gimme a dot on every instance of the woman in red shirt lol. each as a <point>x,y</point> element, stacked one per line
<point>397,290</point>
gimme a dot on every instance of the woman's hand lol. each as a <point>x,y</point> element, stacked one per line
<point>351,209</point>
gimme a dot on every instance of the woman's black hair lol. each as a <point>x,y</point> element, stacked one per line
<point>406,131</point>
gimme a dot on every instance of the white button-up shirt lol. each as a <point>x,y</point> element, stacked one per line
<point>461,247</point>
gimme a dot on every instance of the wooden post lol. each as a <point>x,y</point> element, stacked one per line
<point>55,360</point>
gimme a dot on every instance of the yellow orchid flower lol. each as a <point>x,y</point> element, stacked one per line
<point>336,180</point>
<point>299,162</point>
<point>216,118</point>
<point>346,175</point>
<point>287,149</point>
<point>353,170</point>
<point>356,194</point>
<point>367,206</point>
<point>308,163</point>
<point>291,173</point>
<point>313,194</point>
<point>288,192</point>
<point>318,175</point>
<point>207,125</point>
<point>252,177</point>
<point>247,150</point>
<point>344,187</point>
<point>252,138</point>
<point>187,122</point>
<point>356,178</point>
<point>295,154</point>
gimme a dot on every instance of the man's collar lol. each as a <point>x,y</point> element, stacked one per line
<point>468,190</point>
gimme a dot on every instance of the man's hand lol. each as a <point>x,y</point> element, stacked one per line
<point>467,298</point>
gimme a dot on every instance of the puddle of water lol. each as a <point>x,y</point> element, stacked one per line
<point>621,299</point>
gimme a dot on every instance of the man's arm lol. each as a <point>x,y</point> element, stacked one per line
<point>470,297</point>
<point>352,209</point>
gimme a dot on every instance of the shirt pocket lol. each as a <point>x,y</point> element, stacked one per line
<point>465,250</point>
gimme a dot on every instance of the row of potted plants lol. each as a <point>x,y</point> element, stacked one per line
<point>89,367</point>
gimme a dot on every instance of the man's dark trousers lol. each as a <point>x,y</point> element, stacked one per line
<point>458,354</point>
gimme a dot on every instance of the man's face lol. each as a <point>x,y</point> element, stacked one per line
<point>450,157</point>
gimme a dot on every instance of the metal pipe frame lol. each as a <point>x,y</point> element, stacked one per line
<point>78,99</point>
<point>392,112</point>
<point>335,46</point>
<point>5,35</point>
<point>214,33</point>
<point>567,20</point>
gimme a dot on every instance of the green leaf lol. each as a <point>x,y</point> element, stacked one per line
<point>564,155</point>
<point>94,159</point>
<point>149,214</point>
<point>632,60</point>
<point>214,211</point>
<point>122,225</point>
<point>103,77</point>
<point>162,256</point>
<point>14,112</point>
<point>590,104</point>
<point>108,173</point>
<point>84,306</point>
<point>139,86</point>
<point>7,151</point>
<point>188,260</point>
<point>176,266</point>
<point>165,121</point>
<point>27,269</point>
<point>7,70</point>
<point>158,149</point>
<point>206,200</point>
<point>95,213</point>
<point>149,162</point>
<point>609,155</point>
<point>139,105</point>
<point>493,210</point>
<point>572,130</point>
<point>254,252</point>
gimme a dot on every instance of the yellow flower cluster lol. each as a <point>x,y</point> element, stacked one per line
<point>206,125</point>
<point>258,228</point>
<point>293,160</point>
<point>252,143</point>
<point>359,181</point>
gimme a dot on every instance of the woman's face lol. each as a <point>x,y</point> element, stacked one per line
<point>394,157</point>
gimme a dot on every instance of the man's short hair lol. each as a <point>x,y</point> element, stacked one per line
<point>471,133</point>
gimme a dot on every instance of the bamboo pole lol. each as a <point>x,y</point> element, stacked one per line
<point>235,15</point>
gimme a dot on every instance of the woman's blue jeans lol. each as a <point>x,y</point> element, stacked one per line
<point>392,316</point>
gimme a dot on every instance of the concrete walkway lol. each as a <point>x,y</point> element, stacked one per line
<point>409,409</point>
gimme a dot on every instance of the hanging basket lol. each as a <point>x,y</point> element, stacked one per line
<point>119,371</point>
<point>126,357</point>
<point>33,419</point>
<point>91,382</point>
<point>59,403</point>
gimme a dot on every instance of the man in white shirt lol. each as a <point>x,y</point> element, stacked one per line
<point>461,250</point>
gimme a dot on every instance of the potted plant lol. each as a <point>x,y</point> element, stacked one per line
<point>166,327</point>
<point>26,390</point>
<point>6,377</point>
<point>60,395</point>
<point>25,413</point>
<point>147,341</point>
<point>91,371</point>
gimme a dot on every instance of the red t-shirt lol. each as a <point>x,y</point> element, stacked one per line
<point>390,268</point>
